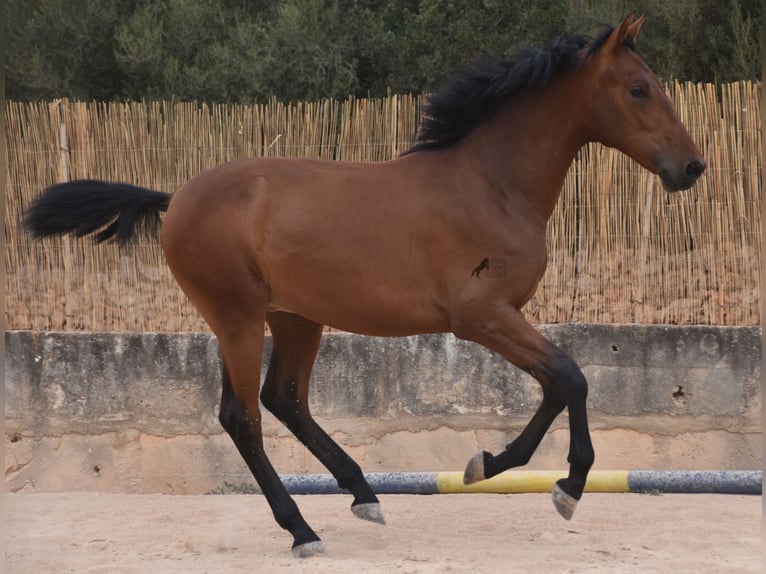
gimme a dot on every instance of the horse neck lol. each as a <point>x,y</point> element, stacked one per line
<point>526,147</point>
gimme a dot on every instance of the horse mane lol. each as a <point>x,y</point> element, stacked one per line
<point>475,91</point>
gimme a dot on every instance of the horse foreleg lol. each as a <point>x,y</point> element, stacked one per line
<point>285,393</point>
<point>518,453</point>
<point>508,333</point>
<point>241,418</point>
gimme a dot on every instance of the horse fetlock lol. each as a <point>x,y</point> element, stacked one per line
<point>581,458</point>
<point>518,453</point>
<point>349,476</point>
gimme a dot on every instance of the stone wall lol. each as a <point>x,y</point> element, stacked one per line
<point>138,412</point>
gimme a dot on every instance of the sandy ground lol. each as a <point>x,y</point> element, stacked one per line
<point>126,534</point>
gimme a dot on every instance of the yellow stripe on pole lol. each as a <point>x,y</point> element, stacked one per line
<point>525,481</point>
<point>607,481</point>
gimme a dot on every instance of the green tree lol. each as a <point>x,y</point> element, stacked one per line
<point>247,50</point>
<point>696,40</point>
<point>189,49</point>
<point>326,48</point>
<point>438,35</point>
<point>62,48</point>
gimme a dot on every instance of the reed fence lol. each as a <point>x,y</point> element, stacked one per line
<point>621,250</point>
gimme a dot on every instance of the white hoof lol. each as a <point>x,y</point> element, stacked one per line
<point>370,511</point>
<point>309,549</point>
<point>564,503</point>
<point>474,472</point>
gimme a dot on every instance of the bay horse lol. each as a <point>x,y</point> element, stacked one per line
<point>391,248</point>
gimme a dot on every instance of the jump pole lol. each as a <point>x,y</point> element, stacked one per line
<point>529,481</point>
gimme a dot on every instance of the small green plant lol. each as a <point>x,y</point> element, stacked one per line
<point>231,488</point>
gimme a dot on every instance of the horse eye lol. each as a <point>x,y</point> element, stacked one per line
<point>637,92</point>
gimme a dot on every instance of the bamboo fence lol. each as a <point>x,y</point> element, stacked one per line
<point>621,250</point>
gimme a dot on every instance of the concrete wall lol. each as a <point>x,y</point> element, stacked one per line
<point>138,412</point>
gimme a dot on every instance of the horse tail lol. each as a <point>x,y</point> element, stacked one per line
<point>85,206</point>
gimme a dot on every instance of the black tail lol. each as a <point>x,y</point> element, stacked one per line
<point>85,206</point>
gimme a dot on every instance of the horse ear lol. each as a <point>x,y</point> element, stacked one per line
<point>620,33</point>
<point>635,27</point>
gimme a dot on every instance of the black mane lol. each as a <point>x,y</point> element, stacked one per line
<point>475,91</point>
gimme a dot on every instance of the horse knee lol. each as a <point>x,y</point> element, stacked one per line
<point>582,456</point>
<point>554,397</point>
<point>567,380</point>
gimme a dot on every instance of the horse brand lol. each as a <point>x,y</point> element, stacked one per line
<point>495,268</point>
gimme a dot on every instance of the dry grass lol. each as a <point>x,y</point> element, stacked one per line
<point>621,250</point>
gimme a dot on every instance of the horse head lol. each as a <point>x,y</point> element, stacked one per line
<point>630,111</point>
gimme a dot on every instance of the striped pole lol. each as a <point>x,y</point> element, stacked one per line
<point>528,481</point>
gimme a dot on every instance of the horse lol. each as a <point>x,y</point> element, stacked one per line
<point>388,248</point>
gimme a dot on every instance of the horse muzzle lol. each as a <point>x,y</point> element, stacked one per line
<point>680,178</point>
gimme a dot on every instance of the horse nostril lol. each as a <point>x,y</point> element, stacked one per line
<point>695,168</point>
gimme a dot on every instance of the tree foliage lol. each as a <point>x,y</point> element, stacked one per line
<point>249,50</point>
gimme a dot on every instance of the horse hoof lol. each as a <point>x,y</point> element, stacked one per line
<point>369,511</point>
<point>474,472</point>
<point>564,503</point>
<point>309,549</point>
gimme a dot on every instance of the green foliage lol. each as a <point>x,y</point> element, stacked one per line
<point>62,48</point>
<point>441,34</point>
<point>166,48</point>
<point>317,46</point>
<point>250,50</point>
<point>695,40</point>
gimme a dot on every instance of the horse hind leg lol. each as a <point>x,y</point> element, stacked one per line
<point>215,269</point>
<point>285,393</point>
<point>237,317</point>
<point>241,418</point>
